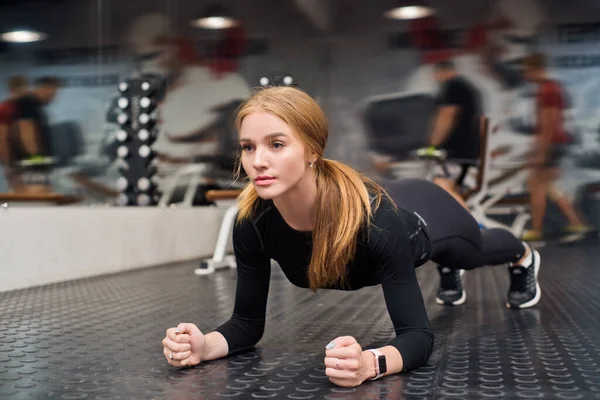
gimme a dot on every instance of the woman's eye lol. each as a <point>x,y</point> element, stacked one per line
<point>277,145</point>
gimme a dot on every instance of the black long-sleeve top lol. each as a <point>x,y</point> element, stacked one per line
<point>396,243</point>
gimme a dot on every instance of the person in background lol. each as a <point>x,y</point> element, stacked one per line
<point>548,150</point>
<point>456,130</point>
<point>456,125</point>
<point>18,86</point>
<point>32,121</point>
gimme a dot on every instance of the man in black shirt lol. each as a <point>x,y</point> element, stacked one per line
<point>456,130</point>
<point>456,126</point>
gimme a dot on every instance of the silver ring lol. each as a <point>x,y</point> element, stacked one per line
<point>171,355</point>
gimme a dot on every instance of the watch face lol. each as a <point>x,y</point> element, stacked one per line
<point>382,365</point>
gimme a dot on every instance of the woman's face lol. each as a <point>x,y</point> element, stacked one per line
<point>273,156</point>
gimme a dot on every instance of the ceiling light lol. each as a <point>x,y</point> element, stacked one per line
<point>23,36</point>
<point>412,10</point>
<point>215,17</point>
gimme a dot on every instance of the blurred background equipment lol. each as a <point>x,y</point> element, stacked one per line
<point>139,126</point>
<point>278,80</point>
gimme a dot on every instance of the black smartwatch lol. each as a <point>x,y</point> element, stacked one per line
<point>380,364</point>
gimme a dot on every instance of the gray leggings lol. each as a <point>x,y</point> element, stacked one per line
<point>456,239</point>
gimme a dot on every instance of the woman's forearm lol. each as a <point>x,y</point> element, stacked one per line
<point>216,346</point>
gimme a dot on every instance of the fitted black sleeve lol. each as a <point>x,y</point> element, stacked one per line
<point>247,324</point>
<point>391,250</point>
<point>452,94</point>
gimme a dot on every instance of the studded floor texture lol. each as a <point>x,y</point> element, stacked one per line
<point>101,338</point>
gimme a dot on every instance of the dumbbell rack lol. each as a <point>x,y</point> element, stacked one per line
<point>138,130</point>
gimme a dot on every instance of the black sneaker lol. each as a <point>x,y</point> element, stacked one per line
<point>451,292</point>
<point>524,288</point>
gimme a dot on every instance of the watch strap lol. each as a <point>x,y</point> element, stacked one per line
<point>377,355</point>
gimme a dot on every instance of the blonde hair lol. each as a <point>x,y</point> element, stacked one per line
<point>343,205</point>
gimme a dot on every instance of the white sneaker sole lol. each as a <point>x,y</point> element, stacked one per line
<point>538,290</point>
<point>458,302</point>
<point>573,237</point>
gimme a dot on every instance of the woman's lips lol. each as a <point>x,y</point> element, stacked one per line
<point>264,181</point>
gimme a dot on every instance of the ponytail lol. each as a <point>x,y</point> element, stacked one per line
<point>343,209</point>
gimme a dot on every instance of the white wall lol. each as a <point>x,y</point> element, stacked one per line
<point>41,245</point>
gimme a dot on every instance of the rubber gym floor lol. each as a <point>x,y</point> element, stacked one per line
<point>100,338</point>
